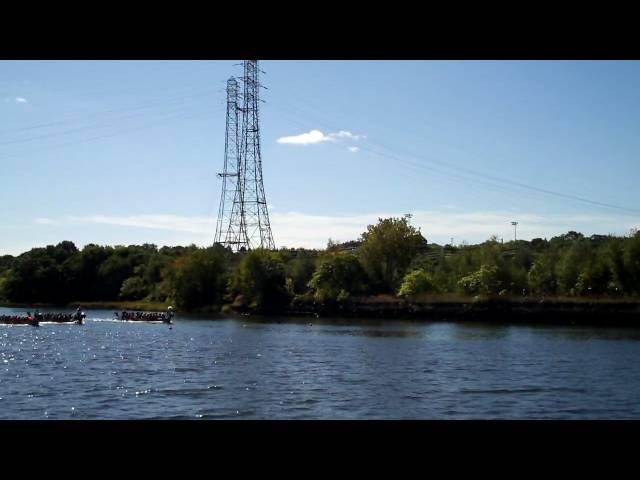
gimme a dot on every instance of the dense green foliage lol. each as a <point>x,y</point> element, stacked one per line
<point>260,281</point>
<point>391,257</point>
<point>337,277</point>
<point>387,251</point>
<point>6,262</point>
<point>415,283</point>
<point>198,278</point>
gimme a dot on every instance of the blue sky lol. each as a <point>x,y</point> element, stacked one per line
<point>127,152</point>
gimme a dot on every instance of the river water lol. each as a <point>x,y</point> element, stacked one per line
<point>224,368</point>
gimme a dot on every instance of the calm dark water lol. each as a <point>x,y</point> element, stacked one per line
<point>231,369</point>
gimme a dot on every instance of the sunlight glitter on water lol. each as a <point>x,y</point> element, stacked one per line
<point>218,369</point>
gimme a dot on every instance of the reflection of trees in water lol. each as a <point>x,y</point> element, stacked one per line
<point>378,366</point>
<point>484,331</point>
<point>489,331</point>
<point>368,332</point>
<point>587,333</point>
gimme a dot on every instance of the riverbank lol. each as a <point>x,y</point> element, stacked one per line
<point>505,310</point>
<point>605,312</point>
<point>129,305</point>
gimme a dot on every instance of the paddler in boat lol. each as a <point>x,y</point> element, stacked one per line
<point>169,315</point>
<point>79,316</point>
<point>32,320</point>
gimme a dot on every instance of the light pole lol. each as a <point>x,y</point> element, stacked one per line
<point>515,226</point>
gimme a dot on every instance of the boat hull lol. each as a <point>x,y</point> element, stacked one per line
<point>37,323</point>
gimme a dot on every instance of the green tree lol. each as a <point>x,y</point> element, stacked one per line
<point>621,281</point>
<point>483,281</point>
<point>198,278</point>
<point>37,276</point>
<point>573,261</point>
<point>632,262</point>
<point>6,262</point>
<point>112,273</point>
<point>300,270</point>
<point>133,288</point>
<point>542,275</point>
<point>152,273</point>
<point>261,281</point>
<point>338,276</point>
<point>387,251</point>
<point>3,280</point>
<point>593,280</point>
<point>81,272</point>
<point>416,282</point>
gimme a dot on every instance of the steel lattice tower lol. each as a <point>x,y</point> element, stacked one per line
<point>228,227</point>
<point>246,224</point>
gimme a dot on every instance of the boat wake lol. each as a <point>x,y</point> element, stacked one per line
<point>115,320</point>
<point>74,322</point>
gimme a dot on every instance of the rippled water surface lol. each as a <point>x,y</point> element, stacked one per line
<point>290,369</point>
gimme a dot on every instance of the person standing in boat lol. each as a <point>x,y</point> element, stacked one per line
<point>169,314</point>
<point>79,316</point>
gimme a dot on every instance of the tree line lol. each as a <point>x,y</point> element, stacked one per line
<point>391,257</point>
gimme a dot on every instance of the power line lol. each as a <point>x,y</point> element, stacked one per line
<point>418,167</point>
<point>493,177</point>
<point>146,104</point>
<point>109,122</point>
<point>112,134</point>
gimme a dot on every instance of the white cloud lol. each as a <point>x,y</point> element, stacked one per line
<point>313,231</point>
<point>345,134</point>
<point>316,136</point>
<point>171,223</point>
<point>353,149</point>
<point>21,100</point>
<point>157,222</point>
<point>294,229</point>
